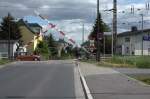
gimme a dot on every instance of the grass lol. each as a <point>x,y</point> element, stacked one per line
<point>124,62</point>
<point>144,79</point>
<point>131,61</point>
<point>4,61</point>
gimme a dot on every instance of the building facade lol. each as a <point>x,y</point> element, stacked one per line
<point>134,42</point>
<point>4,48</point>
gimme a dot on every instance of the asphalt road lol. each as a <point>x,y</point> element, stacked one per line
<point>40,80</point>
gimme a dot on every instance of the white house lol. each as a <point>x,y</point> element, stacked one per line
<point>4,48</point>
<point>134,42</point>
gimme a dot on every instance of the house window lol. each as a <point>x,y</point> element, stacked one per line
<point>127,39</point>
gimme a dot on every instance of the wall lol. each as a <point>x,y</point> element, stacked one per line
<point>134,46</point>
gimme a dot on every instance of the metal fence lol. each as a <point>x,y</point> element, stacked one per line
<point>3,55</point>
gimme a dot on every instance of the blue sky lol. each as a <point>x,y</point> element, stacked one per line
<point>35,19</point>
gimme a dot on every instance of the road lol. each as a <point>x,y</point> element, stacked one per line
<point>40,80</point>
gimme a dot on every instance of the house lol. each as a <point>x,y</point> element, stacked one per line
<point>28,31</point>
<point>134,42</point>
<point>4,45</point>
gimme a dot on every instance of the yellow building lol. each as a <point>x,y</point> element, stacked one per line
<point>29,31</point>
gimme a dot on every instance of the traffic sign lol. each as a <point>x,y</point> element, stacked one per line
<point>100,36</point>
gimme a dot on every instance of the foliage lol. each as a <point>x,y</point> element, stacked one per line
<point>103,27</point>
<point>43,49</point>
<point>86,43</point>
<point>8,25</point>
<point>52,46</point>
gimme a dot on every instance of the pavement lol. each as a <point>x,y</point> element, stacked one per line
<point>40,80</point>
<point>109,83</point>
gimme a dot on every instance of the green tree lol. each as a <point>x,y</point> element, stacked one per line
<point>86,44</point>
<point>9,25</point>
<point>52,44</point>
<point>43,49</point>
<point>103,28</point>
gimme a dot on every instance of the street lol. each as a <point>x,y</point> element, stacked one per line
<point>40,80</point>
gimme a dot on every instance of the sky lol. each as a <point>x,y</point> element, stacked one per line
<point>69,15</point>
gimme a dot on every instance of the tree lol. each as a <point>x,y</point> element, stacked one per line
<point>86,43</point>
<point>42,49</point>
<point>103,28</point>
<point>52,45</point>
<point>8,25</point>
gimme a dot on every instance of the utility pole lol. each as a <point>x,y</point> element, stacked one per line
<point>142,30</point>
<point>9,37</point>
<point>98,32</point>
<point>83,34</point>
<point>104,44</point>
<point>114,24</point>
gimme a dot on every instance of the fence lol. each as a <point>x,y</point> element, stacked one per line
<point>3,55</point>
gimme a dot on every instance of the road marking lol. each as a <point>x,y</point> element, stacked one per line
<point>78,86</point>
<point>86,89</point>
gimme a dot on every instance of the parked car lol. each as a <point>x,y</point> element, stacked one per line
<point>25,57</point>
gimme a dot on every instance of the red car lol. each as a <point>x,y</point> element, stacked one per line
<point>28,58</point>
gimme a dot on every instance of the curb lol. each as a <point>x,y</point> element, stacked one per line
<point>85,87</point>
<point>133,79</point>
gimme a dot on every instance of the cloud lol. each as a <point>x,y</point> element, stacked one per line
<point>63,12</point>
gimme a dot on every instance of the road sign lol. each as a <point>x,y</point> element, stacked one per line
<point>100,36</point>
<point>146,38</point>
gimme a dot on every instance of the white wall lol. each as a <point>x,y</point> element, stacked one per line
<point>135,45</point>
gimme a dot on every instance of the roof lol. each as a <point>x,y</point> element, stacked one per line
<point>29,25</point>
<point>129,33</point>
<point>34,25</point>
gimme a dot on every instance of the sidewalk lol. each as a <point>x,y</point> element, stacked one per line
<point>106,83</point>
